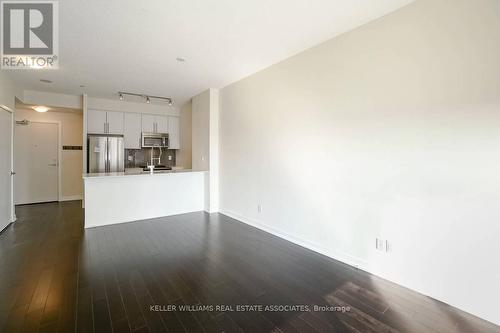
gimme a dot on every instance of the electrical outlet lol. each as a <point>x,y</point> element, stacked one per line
<point>379,244</point>
<point>169,157</point>
<point>388,246</point>
<point>259,208</point>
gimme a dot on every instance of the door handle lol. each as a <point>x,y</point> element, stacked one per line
<point>52,164</point>
<point>12,173</point>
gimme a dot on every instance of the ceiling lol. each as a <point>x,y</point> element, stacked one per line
<point>124,45</point>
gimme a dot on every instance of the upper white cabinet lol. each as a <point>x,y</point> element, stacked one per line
<point>132,130</point>
<point>131,125</point>
<point>96,122</point>
<point>115,122</point>
<point>148,123</point>
<point>161,124</point>
<point>154,123</point>
<point>173,132</point>
<point>104,122</point>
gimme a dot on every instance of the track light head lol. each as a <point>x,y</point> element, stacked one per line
<point>147,98</point>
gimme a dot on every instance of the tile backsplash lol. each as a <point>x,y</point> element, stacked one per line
<point>136,158</point>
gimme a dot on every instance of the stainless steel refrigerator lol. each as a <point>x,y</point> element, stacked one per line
<point>105,153</point>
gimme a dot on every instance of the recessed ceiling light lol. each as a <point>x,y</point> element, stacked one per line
<point>45,81</point>
<point>180,59</point>
<point>40,108</point>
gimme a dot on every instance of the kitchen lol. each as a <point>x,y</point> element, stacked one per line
<point>133,152</point>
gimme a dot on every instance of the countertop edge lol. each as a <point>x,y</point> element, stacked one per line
<point>87,176</point>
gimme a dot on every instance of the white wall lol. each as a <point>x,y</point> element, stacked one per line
<point>52,99</point>
<point>72,160</point>
<point>201,131</point>
<point>390,131</point>
<point>183,156</point>
<point>205,143</point>
<point>214,150</point>
<point>8,91</point>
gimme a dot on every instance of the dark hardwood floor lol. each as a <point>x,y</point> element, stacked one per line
<point>56,277</point>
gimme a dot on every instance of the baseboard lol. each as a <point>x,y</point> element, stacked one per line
<point>6,227</point>
<point>71,198</point>
<point>344,258</point>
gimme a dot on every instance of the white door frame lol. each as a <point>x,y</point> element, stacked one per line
<point>12,210</point>
<point>59,154</point>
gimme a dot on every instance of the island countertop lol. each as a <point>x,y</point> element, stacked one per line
<point>136,172</point>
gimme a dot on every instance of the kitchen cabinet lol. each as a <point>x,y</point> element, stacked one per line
<point>173,132</point>
<point>148,123</point>
<point>96,122</point>
<point>154,123</point>
<point>132,130</point>
<point>161,124</point>
<point>104,122</point>
<point>115,122</point>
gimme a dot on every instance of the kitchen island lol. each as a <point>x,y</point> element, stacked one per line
<point>135,195</point>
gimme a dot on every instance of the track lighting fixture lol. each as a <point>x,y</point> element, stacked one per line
<point>148,98</point>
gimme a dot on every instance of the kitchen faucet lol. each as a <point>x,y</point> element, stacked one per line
<point>152,165</point>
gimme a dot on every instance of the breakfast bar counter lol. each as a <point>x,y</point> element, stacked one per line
<point>138,195</point>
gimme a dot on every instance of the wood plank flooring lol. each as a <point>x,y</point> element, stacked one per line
<point>57,277</point>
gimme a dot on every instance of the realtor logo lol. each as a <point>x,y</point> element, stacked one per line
<point>29,32</point>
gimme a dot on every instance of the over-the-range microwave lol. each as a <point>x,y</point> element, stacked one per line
<point>150,140</point>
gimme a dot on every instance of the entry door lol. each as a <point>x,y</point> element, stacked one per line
<point>5,168</point>
<point>36,163</point>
